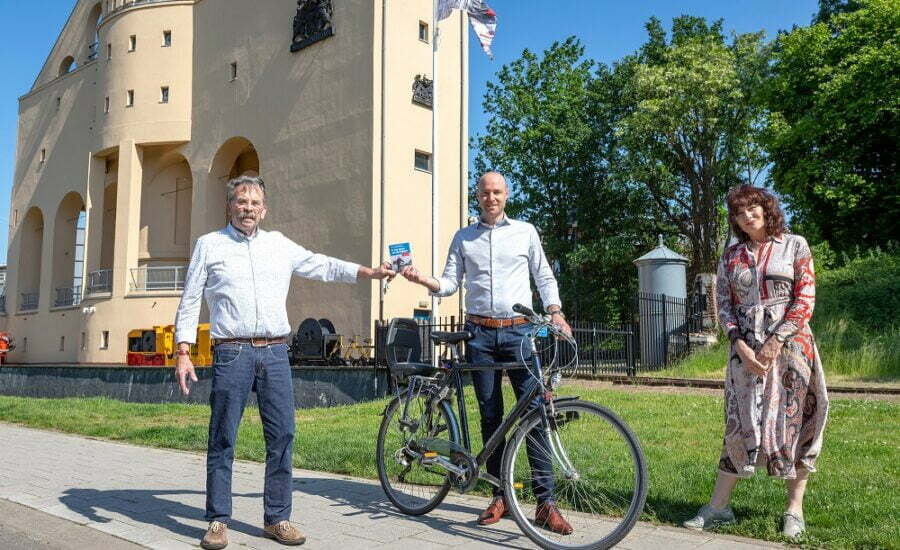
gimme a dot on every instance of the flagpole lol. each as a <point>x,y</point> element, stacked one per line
<point>434,164</point>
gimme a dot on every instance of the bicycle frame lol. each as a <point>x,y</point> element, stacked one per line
<point>529,398</point>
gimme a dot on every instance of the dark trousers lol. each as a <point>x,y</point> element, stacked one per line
<point>503,345</point>
<point>239,369</point>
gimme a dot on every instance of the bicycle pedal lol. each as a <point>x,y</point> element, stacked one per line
<point>429,454</point>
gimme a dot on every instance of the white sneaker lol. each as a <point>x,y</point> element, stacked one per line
<point>708,517</point>
<point>793,526</point>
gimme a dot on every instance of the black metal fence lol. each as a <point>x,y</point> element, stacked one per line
<point>659,336</point>
<point>665,324</point>
<point>601,349</point>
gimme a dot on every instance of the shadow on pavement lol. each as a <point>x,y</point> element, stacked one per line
<point>368,500</point>
<point>149,507</point>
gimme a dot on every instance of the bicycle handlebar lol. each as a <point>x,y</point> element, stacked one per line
<point>541,320</point>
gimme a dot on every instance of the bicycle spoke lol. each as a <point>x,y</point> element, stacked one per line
<point>604,491</point>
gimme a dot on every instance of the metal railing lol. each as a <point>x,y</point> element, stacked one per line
<point>29,301</point>
<point>666,323</point>
<point>92,52</point>
<point>158,278</point>
<point>602,349</point>
<point>130,4</point>
<point>67,297</point>
<point>99,281</point>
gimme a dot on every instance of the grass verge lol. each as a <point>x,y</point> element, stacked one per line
<point>853,501</point>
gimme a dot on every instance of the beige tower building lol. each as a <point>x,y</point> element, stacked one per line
<point>144,109</point>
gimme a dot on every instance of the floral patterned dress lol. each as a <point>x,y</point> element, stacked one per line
<point>776,420</point>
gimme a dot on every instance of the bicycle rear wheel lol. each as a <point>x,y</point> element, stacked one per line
<point>414,488</point>
<point>597,476</point>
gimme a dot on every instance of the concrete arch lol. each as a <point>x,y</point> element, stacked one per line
<point>29,257</point>
<point>236,157</point>
<point>66,65</point>
<point>68,250</point>
<point>165,208</point>
<point>90,37</point>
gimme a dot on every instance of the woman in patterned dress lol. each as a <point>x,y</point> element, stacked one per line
<point>776,403</point>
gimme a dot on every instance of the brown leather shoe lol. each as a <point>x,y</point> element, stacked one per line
<point>216,536</point>
<point>285,533</point>
<point>548,517</point>
<point>494,512</point>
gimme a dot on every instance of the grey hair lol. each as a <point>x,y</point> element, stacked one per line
<point>245,180</point>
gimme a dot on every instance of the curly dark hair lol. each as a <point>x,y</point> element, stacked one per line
<point>741,197</point>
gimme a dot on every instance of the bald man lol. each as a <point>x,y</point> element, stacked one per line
<point>496,255</point>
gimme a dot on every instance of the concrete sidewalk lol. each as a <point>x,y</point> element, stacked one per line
<point>155,498</point>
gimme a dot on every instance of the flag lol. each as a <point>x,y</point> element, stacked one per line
<point>481,16</point>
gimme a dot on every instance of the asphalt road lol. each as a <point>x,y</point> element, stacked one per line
<point>23,528</point>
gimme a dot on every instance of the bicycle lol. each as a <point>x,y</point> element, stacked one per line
<point>599,475</point>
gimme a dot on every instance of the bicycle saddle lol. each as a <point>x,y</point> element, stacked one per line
<point>441,337</point>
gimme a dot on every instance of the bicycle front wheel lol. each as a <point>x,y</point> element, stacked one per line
<point>413,487</point>
<point>590,464</point>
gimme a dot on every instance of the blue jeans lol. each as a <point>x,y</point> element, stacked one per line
<point>504,345</point>
<point>239,369</point>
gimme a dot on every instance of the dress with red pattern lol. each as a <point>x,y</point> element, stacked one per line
<point>775,420</point>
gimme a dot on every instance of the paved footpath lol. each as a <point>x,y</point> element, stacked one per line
<point>155,498</point>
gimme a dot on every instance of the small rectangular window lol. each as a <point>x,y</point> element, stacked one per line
<point>108,52</point>
<point>83,341</point>
<point>423,161</point>
<point>132,43</point>
<point>62,343</point>
<point>167,39</point>
<point>129,98</point>
<point>43,155</point>
<point>104,339</point>
<point>234,71</point>
<point>164,94</point>
<point>24,344</point>
<point>423,31</point>
<point>106,105</point>
<point>58,103</point>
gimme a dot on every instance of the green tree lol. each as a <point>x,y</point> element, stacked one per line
<point>690,128</point>
<point>833,135</point>
<point>551,133</point>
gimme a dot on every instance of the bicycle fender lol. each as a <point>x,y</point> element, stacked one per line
<point>564,399</point>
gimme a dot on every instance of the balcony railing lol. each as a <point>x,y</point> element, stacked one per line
<point>99,281</point>
<point>130,4</point>
<point>158,278</point>
<point>92,52</point>
<point>29,301</point>
<point>67,297</point>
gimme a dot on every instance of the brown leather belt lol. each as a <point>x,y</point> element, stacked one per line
<point>491,322</point>
<point>255,342</point>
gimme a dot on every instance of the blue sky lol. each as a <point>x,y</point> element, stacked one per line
<point>609,30</point>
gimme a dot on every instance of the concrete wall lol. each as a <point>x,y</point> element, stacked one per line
<point>313,386</point>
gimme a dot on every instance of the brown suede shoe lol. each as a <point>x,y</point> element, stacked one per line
<point>216,536</point>
<point>285,533</point>
<point>494,512</point>
<point>548,517</point>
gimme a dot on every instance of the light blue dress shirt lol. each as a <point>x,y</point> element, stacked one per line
<point>245,281</point>
<point>496,262</point>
